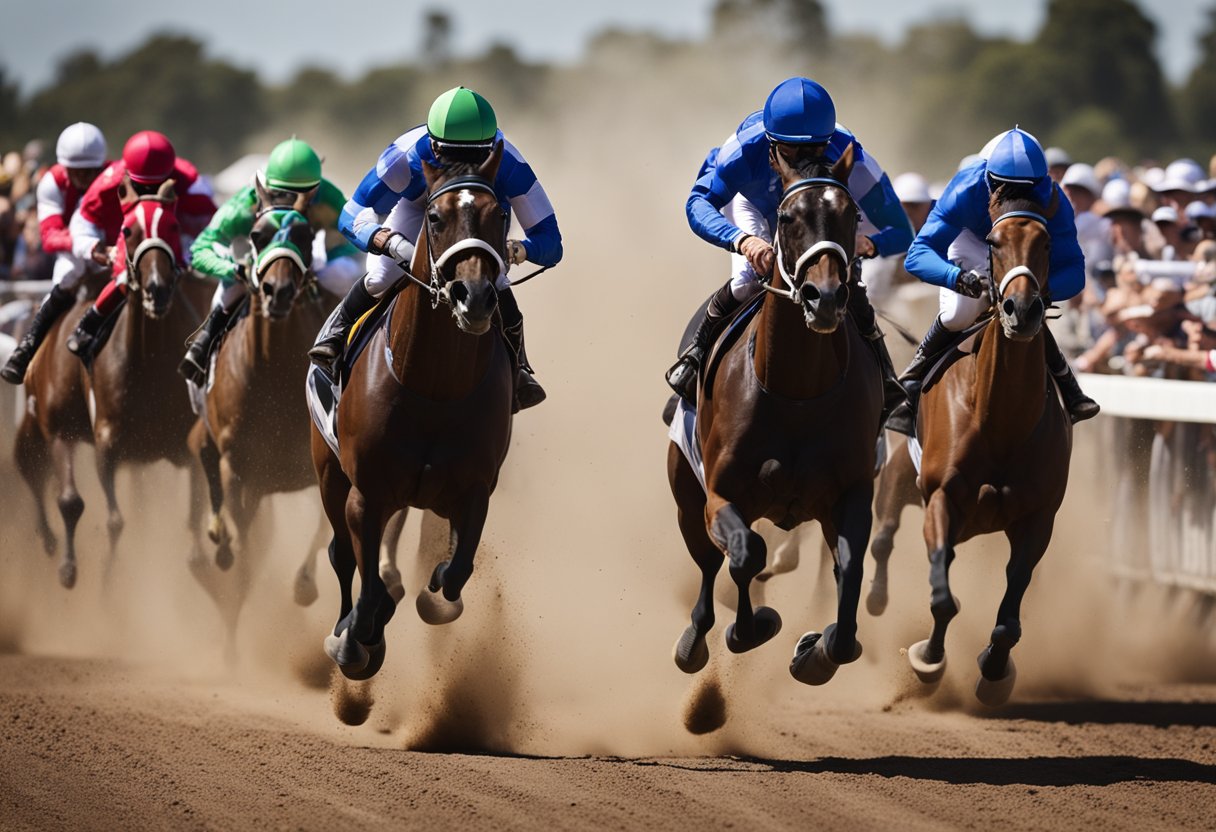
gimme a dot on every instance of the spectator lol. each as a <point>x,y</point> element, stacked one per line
<point>1058,162</point>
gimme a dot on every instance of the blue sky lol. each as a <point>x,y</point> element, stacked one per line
<point>35,35</point>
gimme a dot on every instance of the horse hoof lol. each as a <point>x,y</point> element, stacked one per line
<point>215,529</point>
<point>67,574</point>
<point>928,672</point>
<point>392,582</point>
<point>767,625</point>
<point>876,600</point>
<point>305,588</point>
<point>995,693</point>
<point>690,653</point>
<point>224,557</point>
<point>433,608</point>
<point>811,664</point>
<point>375,660</point>
<point>348,654</point>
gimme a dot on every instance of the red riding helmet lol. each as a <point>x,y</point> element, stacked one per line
<point>149,157</point>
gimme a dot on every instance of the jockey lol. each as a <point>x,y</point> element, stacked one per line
<point>950,252</point>
<point>293,168</point>
<point>81,154</point>
<point>734,201</point>
<point>384,217</point>
<point>148,160</point>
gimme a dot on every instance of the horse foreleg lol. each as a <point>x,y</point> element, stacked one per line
<point>107,469</point>
<point>71,506</point>
<point>819,655</point>
<point>691,653</point>
<point>746,553</point>
<point>896,489</point>
<point>1027,543</point>
<point>31,455</point>
<point>928,658</point>
<point>389,573</point>
<point>335,490</point>
<point>440,601</point>
<point>305,585</point>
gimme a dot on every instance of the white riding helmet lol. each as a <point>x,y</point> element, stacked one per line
<point>81,145</point>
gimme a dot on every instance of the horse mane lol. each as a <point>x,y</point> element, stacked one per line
<point>813,167</point>
<point>1017,197</point>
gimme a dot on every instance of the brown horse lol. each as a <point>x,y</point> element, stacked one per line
<point>425,417</point>
<point>896,490</point>
<point>787,431</point>
<point>247,443</point>
<point>996,445</point>
<point>141,414</point>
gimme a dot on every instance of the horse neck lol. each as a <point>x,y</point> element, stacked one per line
<point>432,357</point>
<point>1010,385</point>
<point>790,358</point>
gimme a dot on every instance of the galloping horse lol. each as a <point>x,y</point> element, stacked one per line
<point>141,413</point>
<point>787,430</point>
<point>425,417</point>
<point>250,440</point>
<point>996,444</point>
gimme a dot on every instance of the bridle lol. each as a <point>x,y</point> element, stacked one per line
<point>151,241</point>
<point>280,248</point>
<point>996,290</point>
<point>823,247</point>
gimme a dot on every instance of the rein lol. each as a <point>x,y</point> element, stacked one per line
<point>820,248</point>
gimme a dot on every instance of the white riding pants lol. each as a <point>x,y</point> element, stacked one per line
<point>957,312</point>
<point>743,283</point>
<point>67,270</point>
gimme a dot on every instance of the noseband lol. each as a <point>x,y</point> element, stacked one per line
<point>151,242</point>
<point>804,260</point>
<point>998,290</point>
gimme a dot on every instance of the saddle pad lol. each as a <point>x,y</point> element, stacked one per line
<point>362,332</point>
<point>966,343</point>
<point>683,431</point>
<point>323,395</point>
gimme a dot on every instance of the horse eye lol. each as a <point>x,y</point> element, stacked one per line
<point>126,232</point>
<point>433,218</point>
<point>783,217</point>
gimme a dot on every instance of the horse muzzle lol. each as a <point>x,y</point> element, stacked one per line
<point>278,301</point>
<point>823,310</point>
<point>1022,321</point>
<point>473,305</point>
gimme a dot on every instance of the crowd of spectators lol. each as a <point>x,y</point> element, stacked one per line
<point>21,256</point>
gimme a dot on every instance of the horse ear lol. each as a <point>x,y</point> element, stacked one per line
<point>777,162</point>
<point>1054,204</point>
<point>166,192</point>
<point>300,206</point>
<point>489,168</point>
<point>126,194</point>
<point>431,174</point>
<point>844,165</point>
<point>263,197</point>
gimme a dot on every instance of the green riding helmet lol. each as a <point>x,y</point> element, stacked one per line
<point>461,116</point>
<point>293,166</point>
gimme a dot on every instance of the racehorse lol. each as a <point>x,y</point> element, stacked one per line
<point>425,416</point>
<point>996,444</point>
<point>246,441</point>
<point>787,430</point>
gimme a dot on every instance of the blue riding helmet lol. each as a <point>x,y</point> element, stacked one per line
<point>799,111</point>
<point>1017,157</point>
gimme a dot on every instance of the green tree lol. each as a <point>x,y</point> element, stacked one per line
<point>1198,97</point>
<point>760,23</point>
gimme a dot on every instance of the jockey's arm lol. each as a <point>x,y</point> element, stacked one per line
<point>952,213</point>
<point>381,189</point>
<point>712,192</point>
<point>211,252</point>
<point>881,207</point>
<point>1067,268</point>
<point>86,235</point>
<point>52,226</point>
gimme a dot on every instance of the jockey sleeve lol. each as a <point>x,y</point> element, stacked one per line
<point>398,178</point>
<point>212,250</point>
<point>964,205</point>
<point>741,166</point>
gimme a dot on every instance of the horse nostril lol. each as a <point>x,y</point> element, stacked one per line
<point>810,293</point>
<point>842,294</point>
<point>267,289</point>
<point>459,293</point>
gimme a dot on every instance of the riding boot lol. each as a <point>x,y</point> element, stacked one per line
<point>903,419</point>
<point>194,365</point>
<point>1080,406</point>
<point>53,305</point>
<point>859,307</point>
<point>80,342</point>
<point>683,374</point>
<point>528,392</point>
<point>331,340</point>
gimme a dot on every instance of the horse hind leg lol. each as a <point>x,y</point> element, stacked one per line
<point>32,457</point>
<point>998,673</point>
<point>71,507</point>
<point>896,489</point>
<point>746,553</point>
<point>304,587</point>
<point>928,657</point>
<point>440,601</point>
<point>389,573</point>
<point>107,468</point>
<point>691,653</point>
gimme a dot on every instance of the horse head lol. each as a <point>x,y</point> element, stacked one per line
<point>151,245</point>
<point>281,239</point>
<point>1020,254</point>
<point>465,233</point>
<point>815,236</point>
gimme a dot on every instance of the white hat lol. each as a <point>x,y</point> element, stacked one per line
<point>1117,196</point>
<point>1152,176</point>
<point>1199,209</point>
<point>81,145</point>
<point>970,159</point>
<point>911,187</point>
<point>1083,176</point>
<point>1166,213</point>
<point>1057,156</point>
<point>1181,175</point>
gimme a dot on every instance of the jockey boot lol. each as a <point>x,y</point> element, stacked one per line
<point>903,419</point>
<point>331,340</point>
<point>80,342</point>
<point>859,307</point>
<point>1080,406</point>
<point>194,365</point>
<point>528,392</point>
<point>683,374</point>
<point>53,305</point>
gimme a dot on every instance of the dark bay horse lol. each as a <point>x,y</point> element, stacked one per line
<point>997,444</point>
<point>253,441</point>
<point>141,412</point>
<point>787,431</point>
<point>425,418</point>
